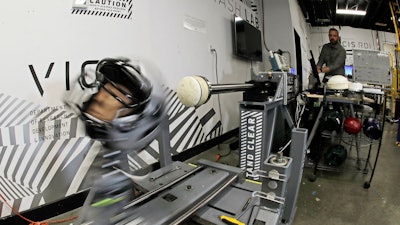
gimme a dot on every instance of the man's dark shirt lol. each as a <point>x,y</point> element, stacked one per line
<point>334,56</point>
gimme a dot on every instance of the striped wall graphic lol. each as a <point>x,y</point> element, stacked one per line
<point>11,190</point>
<point>25,122</point>
<point>45,154</point>
<point>34,165</point>
<point>41,131</point>
<point>47,167</point>
<point>21,204</point>
<point>121,9</point>
<point>14,111</point>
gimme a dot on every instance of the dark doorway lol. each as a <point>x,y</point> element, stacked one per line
<point>299,69</point>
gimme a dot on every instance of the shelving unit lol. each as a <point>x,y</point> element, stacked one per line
<point>360,148</point>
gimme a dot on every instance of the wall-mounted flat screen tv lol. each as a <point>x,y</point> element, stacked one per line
<point>246,40</point>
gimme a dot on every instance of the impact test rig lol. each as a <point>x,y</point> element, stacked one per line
<point>262,191</point>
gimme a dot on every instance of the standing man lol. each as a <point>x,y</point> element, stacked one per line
<point>332,58</point>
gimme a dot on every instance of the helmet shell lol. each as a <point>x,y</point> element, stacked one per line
<point>352,125</point>
<point>335,155</point>
<point>338,82</point>
<point>332,121</point>
<point>372,128</point>
<point>138,122</point>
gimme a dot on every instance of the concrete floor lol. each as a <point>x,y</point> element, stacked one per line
<point>339,198</point>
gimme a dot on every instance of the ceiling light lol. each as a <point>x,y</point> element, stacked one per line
<point>351,12</point>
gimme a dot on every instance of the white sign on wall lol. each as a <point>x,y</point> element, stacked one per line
<point>372,67</point>
<point>107,8</point>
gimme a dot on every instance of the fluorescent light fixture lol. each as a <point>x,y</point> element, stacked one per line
<point>351,12</point>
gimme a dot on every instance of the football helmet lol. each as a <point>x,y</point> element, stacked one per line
<point>332,121</point>
<point>118,103</point>
<point>335,155</point>
<point>352,125</point>
<point>372,128</point>
<point>338,82</point>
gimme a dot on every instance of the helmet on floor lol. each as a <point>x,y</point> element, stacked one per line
<point>352,125</point>
<point>335,155</point>
<point>372,128</point>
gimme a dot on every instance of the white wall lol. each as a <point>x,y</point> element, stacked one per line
<point>302,28</point>
<point>38,33</point>
<point>278,26</point>
<point>282,17</point>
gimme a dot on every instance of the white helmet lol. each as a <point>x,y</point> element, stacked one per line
<point>338,82</point>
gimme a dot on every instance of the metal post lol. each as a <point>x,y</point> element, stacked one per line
<point>297,153</point>
<point>164,144</point>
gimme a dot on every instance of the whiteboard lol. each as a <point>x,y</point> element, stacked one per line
<point>371,67</point>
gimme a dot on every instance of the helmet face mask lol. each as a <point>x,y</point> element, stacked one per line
<point>109,103</point>
<point>120,79</point>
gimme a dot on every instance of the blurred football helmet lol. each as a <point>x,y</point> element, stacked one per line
<point>118,103</point>
<point>121,106</point>
<point>372,128</point>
